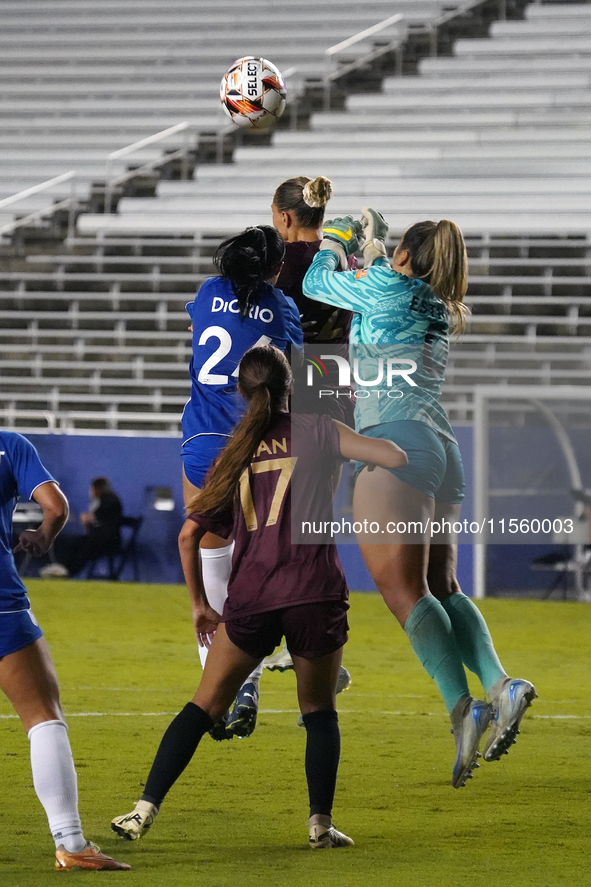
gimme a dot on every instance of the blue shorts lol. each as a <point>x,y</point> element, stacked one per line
<point>434,461</point>
<point>17,630</point>
<point>199,452</point>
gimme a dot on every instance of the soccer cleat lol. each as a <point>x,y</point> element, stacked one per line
<point>243,717</point>
<point>343,680</point>
<point>326,837</point>
<point>135,824</point>
<point>343,683</point>
<point>470,719</point>
<point>53,571</point>
<point>281,661</point>
<point>89,858</point>
<point>510,703</point>
<point>218,731</point>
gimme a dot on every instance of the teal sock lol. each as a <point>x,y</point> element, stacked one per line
<point>430,632</point>
<point>473,639</point>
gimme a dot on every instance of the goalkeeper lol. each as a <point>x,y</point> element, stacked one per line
<point>403,313</point>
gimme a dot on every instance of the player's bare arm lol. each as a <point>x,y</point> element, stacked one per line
<point>55,514</point>
<point>373,451</point>
<point>205,619</point>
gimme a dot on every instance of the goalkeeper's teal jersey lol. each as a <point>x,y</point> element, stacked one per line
<point>396,318</point>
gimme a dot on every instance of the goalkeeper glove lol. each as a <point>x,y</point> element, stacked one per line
<point>343,236</point>
<point>375,228</point>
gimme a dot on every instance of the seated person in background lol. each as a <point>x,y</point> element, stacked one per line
<point>102,523</point>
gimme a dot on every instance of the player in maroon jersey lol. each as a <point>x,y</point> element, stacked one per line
<point>275,464</point>
<point>298,213</point>
<point>298,210</point>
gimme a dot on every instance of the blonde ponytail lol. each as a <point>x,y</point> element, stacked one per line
<point>449,272</point>
<point>438,256</point>
<point>317,192</point>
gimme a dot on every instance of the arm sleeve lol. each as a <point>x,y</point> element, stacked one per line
<point>29,472</point>
<point>324,283</point>
<point>221,524</point>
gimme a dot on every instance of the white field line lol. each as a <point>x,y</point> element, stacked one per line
<point>268,692</point>
<point>287,711</point>
<point>351,694</point>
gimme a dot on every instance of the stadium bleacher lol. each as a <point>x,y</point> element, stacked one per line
<point>78,80</point>
<point>496,136</point>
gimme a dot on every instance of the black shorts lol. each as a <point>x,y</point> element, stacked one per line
<point>310,630</point>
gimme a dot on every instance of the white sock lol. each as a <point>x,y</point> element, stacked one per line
<point>255,676</point>
<point>54,779</point>
<point>216,566</point>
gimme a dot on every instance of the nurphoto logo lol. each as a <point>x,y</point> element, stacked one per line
<point>388,373</point>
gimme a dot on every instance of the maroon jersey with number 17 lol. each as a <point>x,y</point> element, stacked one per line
<point>292,471</point>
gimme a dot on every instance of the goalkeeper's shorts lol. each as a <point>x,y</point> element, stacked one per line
<point>434,461</point>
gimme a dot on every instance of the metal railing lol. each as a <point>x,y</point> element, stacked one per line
<point>112,182</point>
<point>68,203</point>
<point>432,28</point>
<point>393,45</point>
<point>182,154</point>
<point>334,71</point>
<point>396,44</point>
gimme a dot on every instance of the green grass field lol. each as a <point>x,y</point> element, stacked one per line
<point>127,662</point>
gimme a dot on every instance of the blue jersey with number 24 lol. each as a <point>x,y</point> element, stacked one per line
<point>220,339</point>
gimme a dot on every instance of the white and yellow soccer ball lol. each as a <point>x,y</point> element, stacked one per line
<point>252,93</point>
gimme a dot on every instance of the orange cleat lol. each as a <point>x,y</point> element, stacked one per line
<point>89,858</point>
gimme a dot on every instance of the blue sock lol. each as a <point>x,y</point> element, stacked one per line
<point>473,639</point>
<point>431,634</point>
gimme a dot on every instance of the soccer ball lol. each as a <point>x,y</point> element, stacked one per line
<point>252,93</point>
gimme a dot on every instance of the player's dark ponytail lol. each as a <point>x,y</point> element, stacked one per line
<point>264,377</point>
<point>248,260</point>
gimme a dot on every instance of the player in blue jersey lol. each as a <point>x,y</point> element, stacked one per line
<point>276,466</point>
<point>231,313</point>
<point>27,673</point>
<point>402,318</point>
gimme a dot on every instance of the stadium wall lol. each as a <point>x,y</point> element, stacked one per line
<point>134,464</point>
